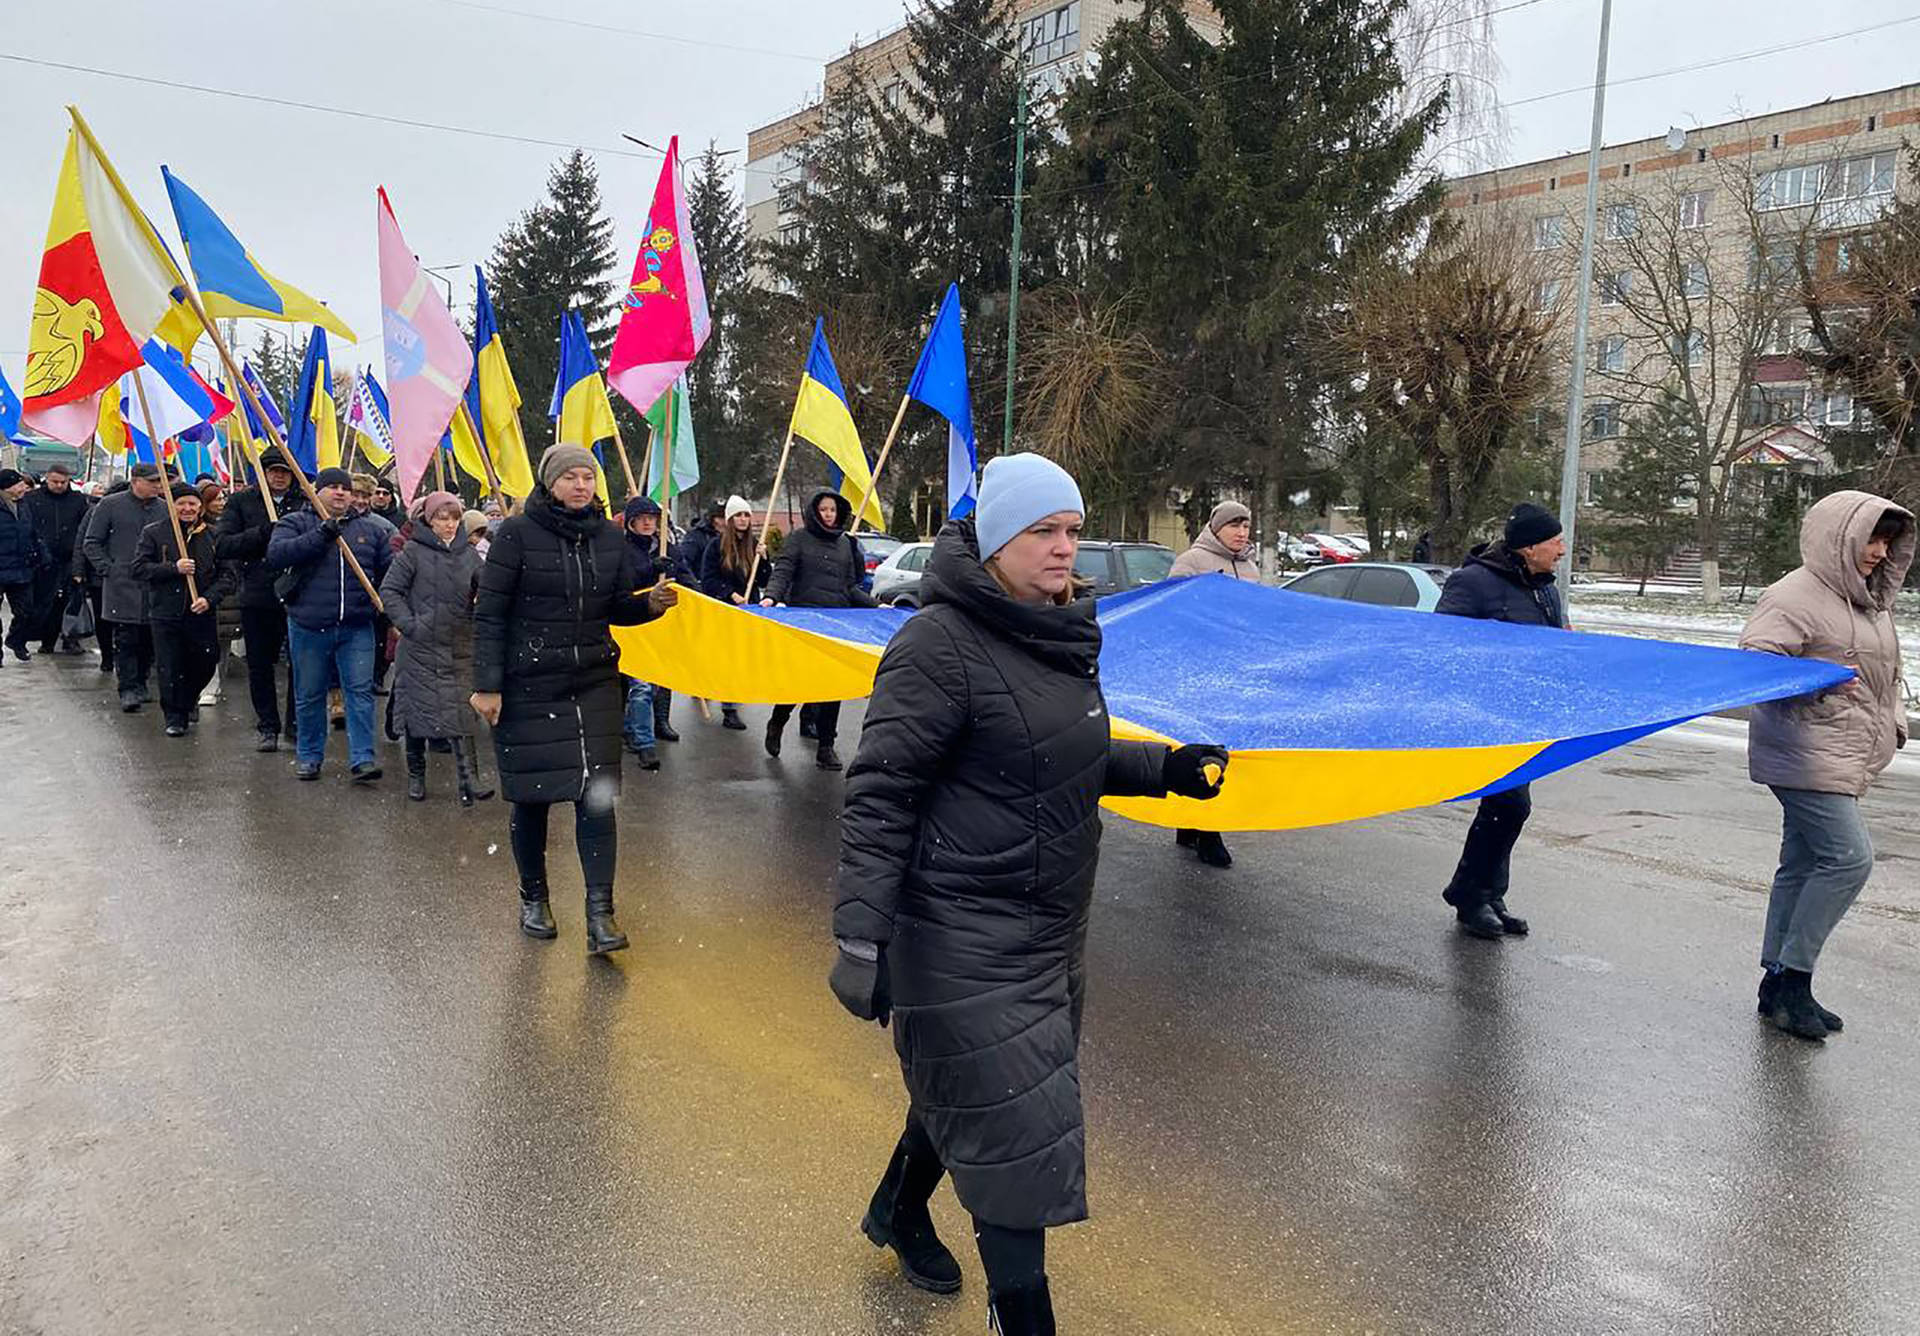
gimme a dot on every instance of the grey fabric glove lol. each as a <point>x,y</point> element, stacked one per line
<point>859,980</point>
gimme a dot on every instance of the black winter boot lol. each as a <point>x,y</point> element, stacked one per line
<point>536,915</point>
<point>1794,1009</point>
<point>603,934</point>
<point>1025,1312</point>
<point>1830,1019</point>
<point>1480,921</point>
<point>1186,838</point>
<point>1511,924</point>
<point>1212,849</point>
<point>1769,987</point>
<point>467,765</point>
<point>773,736</point>
<point>662,707</point>
<point>416,768</point>
<point>828,759</point>
<point>898,1218</point>
<point>730,718</point>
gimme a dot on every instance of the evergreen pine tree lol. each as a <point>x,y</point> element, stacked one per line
<point>558,254</point>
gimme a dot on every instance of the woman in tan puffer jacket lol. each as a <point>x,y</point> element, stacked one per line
<point>1224,547</point>
<point>1819,753</point>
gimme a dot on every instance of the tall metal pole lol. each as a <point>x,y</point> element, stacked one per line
<point>1013,268</point>
<point>1577,381</point>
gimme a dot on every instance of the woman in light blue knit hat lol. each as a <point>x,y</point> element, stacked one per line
<point>968,848</point>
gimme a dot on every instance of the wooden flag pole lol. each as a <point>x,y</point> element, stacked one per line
<point>486,459</point>
<point>778,473</point>
<point>666,476</point>
<point>252,452</point>
<point>893,432</point>
<point>626,466</point>
<point>183,293</point>
<point>166,486</point>
<point>439,469</point>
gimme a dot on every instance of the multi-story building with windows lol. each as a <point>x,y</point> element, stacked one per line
<point>1055,38</point>
<point>1700,237</point>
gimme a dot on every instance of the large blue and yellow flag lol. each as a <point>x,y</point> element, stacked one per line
<point>231,281</point>
<point>581,412</point>
<point>1333,711</point>
<point>313,431</point>
<point>822,417</point>
<point>494,400</point>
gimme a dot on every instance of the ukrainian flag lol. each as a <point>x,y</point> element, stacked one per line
<point>581,412</point>
<point>232,282</point>
<point>821,416</point>
<point>498,414</point>
<point>313,432</point>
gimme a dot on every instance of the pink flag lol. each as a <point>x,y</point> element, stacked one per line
<point>664,319</point>
<point>428,360</point>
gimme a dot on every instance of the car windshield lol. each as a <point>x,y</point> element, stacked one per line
<point>1146,565</point>
<point>878,545</point>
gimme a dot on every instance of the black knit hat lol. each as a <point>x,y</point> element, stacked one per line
<point>182,490</point>
<point>332,478</point>
<point>11,478</point>
<point>1530,524</point>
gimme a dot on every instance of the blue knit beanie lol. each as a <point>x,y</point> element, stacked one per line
<point>1016,491</point>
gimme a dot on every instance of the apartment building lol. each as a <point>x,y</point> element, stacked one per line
<point>1694,271</point>
<point>1055,36</point>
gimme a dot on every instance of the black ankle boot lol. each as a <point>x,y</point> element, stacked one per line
<point>663,706</point>
<point>603,934</point>
<point>1511,924</point>
<point>1025,1312</point>
<point>536,915</point>
<point>1213,849</point>
<point>416,768</point>
<point>467,766</point>
<point>731,719</point>
<point>1794,1009</point>
<point>897,1218</point>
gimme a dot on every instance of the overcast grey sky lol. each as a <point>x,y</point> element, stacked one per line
<point>297,185</point>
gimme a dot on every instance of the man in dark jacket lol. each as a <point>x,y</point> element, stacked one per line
<point>819,567</point>
<point>1507,581</point>
<point>384,504</point>
<point>59,514</point>
<point>330,618</point>
<point>186,643</point>
<point>648,704</point>
<point>22,557</point>
<point>694,543</point>
<point>113,536</point>
<point>240,543</point>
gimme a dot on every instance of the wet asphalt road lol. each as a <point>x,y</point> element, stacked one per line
<point>274,1059</point>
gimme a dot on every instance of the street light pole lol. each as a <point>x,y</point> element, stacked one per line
<point>1577,380</point>
<point>1013,266</point>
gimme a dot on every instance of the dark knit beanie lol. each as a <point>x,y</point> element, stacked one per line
<point>1530,524</point>
<point>332,478</point>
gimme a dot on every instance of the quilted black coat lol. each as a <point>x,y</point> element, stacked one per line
<point>553,582</point>
<point>968,848</point>
<point>821,567</point>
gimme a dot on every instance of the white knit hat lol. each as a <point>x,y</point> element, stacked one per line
<point>738,505</point>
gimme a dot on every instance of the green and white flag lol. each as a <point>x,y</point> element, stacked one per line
<point>671,419</point>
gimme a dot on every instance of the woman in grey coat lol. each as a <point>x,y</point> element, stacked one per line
<point>428,593</point>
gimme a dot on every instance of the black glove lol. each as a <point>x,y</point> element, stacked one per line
<point>861,985</point>
<point>331,528</point>
<point>1184,771</point>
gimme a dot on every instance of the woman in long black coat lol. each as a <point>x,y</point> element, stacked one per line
<point>428,593</point>
<point>968,848</point>
<point>546,676</point>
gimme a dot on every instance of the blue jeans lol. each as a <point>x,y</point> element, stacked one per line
<point>639,726</point>
<point>316,656</point>
<point>1826,856</point>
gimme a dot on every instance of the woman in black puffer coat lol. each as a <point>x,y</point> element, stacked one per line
<point>968,848</point>
<point>546,676</point>
<point>819,567</point>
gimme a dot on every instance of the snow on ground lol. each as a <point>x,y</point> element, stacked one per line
<point>1680,614</point>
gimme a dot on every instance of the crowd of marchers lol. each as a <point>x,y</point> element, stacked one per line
<point>964,885</point>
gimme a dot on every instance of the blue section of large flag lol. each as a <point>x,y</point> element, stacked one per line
<point>303,431</point>
<point>940,382</point>
<point>9,408</point>
<point>274,414</point>
<point>220,262</point>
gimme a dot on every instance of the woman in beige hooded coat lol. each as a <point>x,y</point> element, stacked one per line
<point>1224,547</point>
<point>1819,753</point>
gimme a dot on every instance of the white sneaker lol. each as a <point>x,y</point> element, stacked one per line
<point>211,696</point>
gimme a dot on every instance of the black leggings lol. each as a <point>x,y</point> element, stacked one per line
<point>593,832</point>
<point>1015,1259</point>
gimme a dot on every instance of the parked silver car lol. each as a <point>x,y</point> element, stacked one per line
<point>898,577</point>
<point>1389,584</point>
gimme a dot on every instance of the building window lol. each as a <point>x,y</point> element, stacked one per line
<point>1546,294</point>
<point>1615,287</point>
<point>1770,267</point>
<point>1052,36</point>
<point>792,234</point>
<point>1549,232</point>
<point>1693,278</point>
<point>1623,220</point>
<point>1603,419</point>
<point>1781,337</point>
<point>1833,408</point>
<point>895,94</point>
<point>1690,349</point>
<point>790,194</point>
<point>1843,256</point>
<point>1693,208</point>
<point>1857,178</point>
<point>1610,353</point>
<point>1770,405</point>
<point>1789,187</point>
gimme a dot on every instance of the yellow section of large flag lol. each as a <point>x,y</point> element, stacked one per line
<point>500,420</point>
<point>110,427</point>
<point>586,414</point>
<point>823,418</point>
<point>466,450</point>
<point>326,430</point>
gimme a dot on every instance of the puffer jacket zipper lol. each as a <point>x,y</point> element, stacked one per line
<point>579,716</point>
